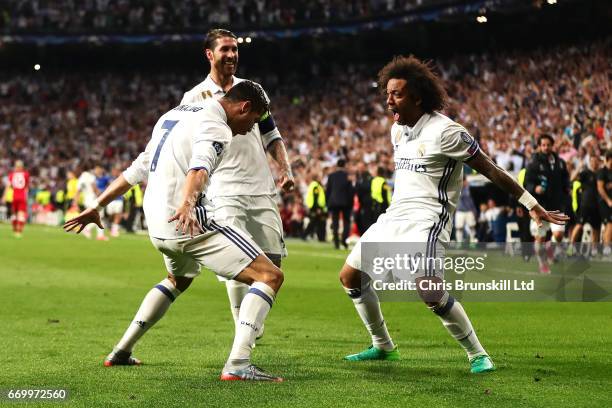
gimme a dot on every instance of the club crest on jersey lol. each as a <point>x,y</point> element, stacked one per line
<point>218,147</point>
<point>466,138</point>
<point>421,150</point>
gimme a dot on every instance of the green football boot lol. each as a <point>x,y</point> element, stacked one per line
<point>374,353</point>
<point>481,364</point>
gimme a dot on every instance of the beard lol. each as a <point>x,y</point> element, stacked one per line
<point>226,69</point>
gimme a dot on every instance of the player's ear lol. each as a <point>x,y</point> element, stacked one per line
<point>245,107</point>
<point>209,54</point>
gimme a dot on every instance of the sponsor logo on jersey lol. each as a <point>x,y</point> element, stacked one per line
<point>218,147</point>
<point>410,165</point>
<point>188,108</point>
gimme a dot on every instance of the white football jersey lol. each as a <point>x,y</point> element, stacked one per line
<point>85,185</point>
<point>190,136</point>
<point>244,170</point>
<point>429,171</point>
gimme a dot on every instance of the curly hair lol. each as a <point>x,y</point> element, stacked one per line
<point>422,82</point>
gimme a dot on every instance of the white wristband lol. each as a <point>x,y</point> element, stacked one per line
<point>96,206</point>
<point>528,200</point>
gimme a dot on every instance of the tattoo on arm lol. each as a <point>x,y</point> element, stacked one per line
<point>194,184</point>
<point>279,154</point>
<point>500,177</point>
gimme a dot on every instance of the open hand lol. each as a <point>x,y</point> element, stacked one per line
<point>186,221</point>
<point>539,214</point>
<point>86,217</point>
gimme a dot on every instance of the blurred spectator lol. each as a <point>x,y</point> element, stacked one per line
<point>133,208</point>
<point>604,188</point>
<point>588,211</point>
<point>339,194</point>
<point>317,210</point>
<point>381,193</point>
<point>547,178</point>
<point>296,216</point>
<point>187,15</point>
<point>496,221</point>
<point>506,100</point>
<point>465,216</point>
<point>363,189</point>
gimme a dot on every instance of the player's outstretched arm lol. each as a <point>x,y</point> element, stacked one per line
<point>92,215</point>
<point>185,216</point>
<point>488,168</point>
<point>279,154</point>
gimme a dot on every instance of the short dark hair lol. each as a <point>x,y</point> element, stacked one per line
<point>421,81</point>
<point>213,35</point>
<point>545,136</point>
<point>249,91</point>
<point>608,154</point>
<point>341,163</point>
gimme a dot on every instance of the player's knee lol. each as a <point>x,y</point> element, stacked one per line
<point>350,277</point>
<point>180,282</point>
<point>263,270</point>
<point>273,277</point>
<point>430,290</point>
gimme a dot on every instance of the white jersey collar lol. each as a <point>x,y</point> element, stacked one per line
<point>216,89</point>
<point>218,109</point>
<point>413,132</point>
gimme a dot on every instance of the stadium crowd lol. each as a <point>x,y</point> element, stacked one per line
<point>191,15</point>
<point>506,101</point>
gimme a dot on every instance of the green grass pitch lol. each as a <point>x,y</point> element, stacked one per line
<point>66,300</point>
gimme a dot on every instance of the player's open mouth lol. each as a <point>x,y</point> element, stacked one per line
<point>396,115</point>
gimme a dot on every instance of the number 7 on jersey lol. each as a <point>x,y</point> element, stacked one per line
<point>168,125</point>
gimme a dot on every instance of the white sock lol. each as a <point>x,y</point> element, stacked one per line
<point>472,234</point>
<point>368,307</point>
<point>540,252</point>
<point>236,291</point>
<point>459,235</point>
<point>253,312</point>
<point>153,307</point>
<point>115,229</point>
<point>458,324</point>
<point>100,232</point>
